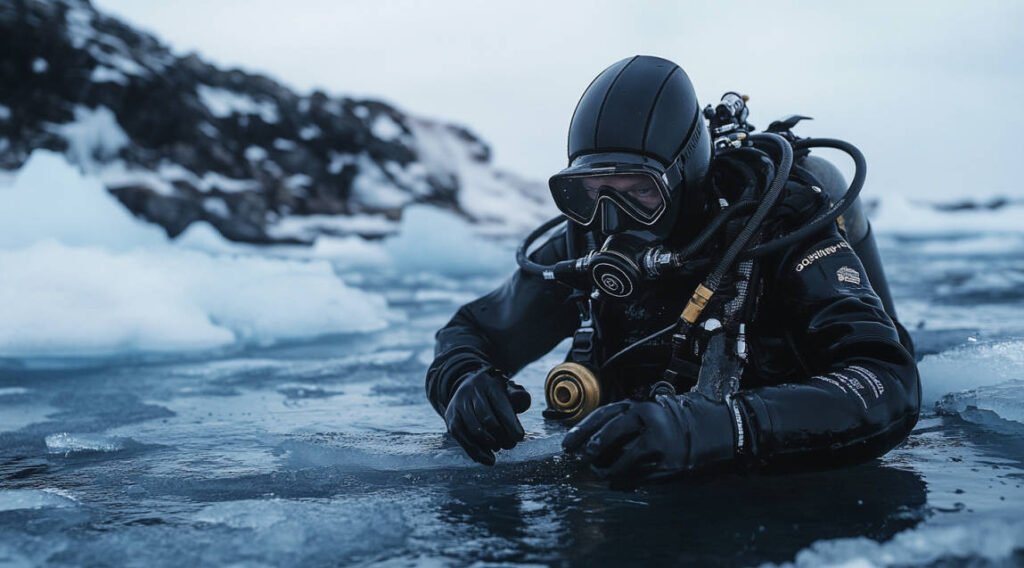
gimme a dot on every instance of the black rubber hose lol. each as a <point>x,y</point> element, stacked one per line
<point>713,227</point>
<point>523,260</point>
<point>754,224</point>
<point>636,344</point>
<point>764,159</point>
<point>833,212</point>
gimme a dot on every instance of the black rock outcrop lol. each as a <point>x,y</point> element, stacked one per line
<point>178,140</point>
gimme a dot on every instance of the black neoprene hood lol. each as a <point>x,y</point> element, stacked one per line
<point>641,104</point>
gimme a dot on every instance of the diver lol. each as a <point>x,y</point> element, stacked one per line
<point>726,302</point>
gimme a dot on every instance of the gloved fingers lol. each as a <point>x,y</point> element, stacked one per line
<point>474,451</point>
<point>480,424</point>
<point>634,463</point>
<point>607,443</point>
<point>518,396</point>
<point>511,430</point>
<point>582,432</point>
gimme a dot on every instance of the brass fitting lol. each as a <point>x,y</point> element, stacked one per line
<point>572,391</point>
<point>697,303</point>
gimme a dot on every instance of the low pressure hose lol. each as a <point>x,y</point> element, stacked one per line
<point>704,291</point>
<point>837,209</point>
<point>524,261</point>
<point>713,227</point>
<point>755,221</point>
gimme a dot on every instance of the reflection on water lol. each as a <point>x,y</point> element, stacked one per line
<point>732,520</point>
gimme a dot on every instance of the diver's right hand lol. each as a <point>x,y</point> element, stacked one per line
<point>481,414</point>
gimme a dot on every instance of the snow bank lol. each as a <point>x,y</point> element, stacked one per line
<point>80,277</point>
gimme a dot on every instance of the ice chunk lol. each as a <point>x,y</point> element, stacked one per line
<point>49,199</point>
<point>432,240</point>
<point>85,301</point>
<point>15,499</point>
<point>991,540</point>
<point>1005,401</point>
<point>969,367</point>
<point>351,252</point>
<point>65,443</point>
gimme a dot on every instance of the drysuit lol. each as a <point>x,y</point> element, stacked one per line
<point>830,378</point>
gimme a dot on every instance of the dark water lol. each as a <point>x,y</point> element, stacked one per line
<point>326,453</point>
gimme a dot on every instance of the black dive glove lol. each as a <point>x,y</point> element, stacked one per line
<point>634,441</point>
<point>481,414</point>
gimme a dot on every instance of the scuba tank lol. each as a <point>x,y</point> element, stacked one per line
<point>614,273</point>
<point>857,227</point>
<point>853,222</point>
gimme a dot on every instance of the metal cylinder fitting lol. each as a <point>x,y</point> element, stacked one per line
<point>572,391</point>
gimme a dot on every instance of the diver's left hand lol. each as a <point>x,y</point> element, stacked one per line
<point>638,441</point>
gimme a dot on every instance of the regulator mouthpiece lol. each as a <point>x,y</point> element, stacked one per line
<point>622,266</point>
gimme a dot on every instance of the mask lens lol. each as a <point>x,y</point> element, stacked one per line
<point>640,195</point>
<point>573,199</point>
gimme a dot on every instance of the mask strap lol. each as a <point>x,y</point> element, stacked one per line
<point>673,175</point>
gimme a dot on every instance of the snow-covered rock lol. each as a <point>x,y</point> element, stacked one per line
<point>178,140</point>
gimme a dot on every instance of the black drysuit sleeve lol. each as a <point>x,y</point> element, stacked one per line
<point>512,326</point>
<point>861,395</point>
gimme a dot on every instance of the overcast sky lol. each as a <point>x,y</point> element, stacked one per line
<point>932,92</point>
